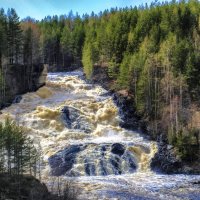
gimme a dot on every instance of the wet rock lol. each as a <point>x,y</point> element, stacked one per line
<point>103,150</point>
<point>59,166</point>
<point>73,119</point>
<point>115,162</point>
<point>89,167</point>
<point>65,115</point>
<point>165,159</point>
<point>17,99</point>
<point>19,81</point>
<point>196,183</point>
<point>72,149</point>
<point>103,168</point>
<point>63,161</point>
<point>100,76</point>
<point>132,163</point>
<point>55,161</point>
<point>127,112</point>
<point>118,149</point>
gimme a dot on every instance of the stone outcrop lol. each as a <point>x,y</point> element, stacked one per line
<point>100,76</point>
<point>118,149</point>
<point>21,79</point>
<point>127,112</point>
<point>109,156</point>
<point>22,187</point>
<point>166,159</point>
<point>63,161</point>
<point>73,119</point>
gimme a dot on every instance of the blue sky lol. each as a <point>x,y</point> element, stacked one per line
<point>38,9</point>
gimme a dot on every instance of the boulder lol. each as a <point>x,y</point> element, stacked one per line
<point>118,149</point>
<point>65,116</point>
<point>127,112</point>
<point>22,187</point>
<point>166,160</point>
<point>20,80</point>
<point>73,119</point>
<point>17,99</point>
<point>63,161</point>
<point>132,162</point>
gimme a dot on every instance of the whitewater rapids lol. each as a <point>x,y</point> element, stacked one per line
<point>76,127</point>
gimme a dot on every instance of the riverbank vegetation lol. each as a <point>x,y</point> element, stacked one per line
<point>150,51</point>
<point>20,165</point>
<point>17,153</point>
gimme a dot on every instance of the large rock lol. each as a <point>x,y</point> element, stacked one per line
<point>116,162</point>
<point>118,149</point>
<point>127,111</point>
<point>65,115</point>
<point>73,119</point>
<point>22,187</point>
<point>166,160</point>
<point>17,99</point>
<point>63,161</point>
<point>19,80</point>
<point>100,76</point>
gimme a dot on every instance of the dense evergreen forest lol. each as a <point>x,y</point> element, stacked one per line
<point>152,52</point>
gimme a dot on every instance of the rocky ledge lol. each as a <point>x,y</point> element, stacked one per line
<point>19,80</point>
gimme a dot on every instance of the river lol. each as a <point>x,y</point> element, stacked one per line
<point>76,127</point>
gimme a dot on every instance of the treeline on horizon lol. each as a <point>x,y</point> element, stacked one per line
<point>153,52</point>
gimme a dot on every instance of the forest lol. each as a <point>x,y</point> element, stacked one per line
<point>151,51</point>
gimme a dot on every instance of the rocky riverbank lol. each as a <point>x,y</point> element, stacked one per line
<point>20,79</point>
<point>27,187</point>
<point>166,159</point>
<point>22,187</point>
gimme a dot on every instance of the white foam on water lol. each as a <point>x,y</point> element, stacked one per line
<point>40,113</point>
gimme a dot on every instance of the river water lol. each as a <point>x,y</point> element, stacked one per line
<point>76,127</point>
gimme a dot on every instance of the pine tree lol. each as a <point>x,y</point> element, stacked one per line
<point>14,35</point>
<point>17,153</point>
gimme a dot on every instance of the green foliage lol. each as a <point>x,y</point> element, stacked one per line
<point>17,153</point>
<point>125,73</point>
<point>66,40</point>
<point>87,60</point>
<point>186,143</point>
<point>153,52</point>
<point>14,37</point>
<point>3,36</point>
<point>61,40</point>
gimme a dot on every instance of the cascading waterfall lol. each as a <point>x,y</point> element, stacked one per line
<point>77,128</point>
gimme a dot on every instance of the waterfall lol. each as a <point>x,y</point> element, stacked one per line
<point>76,125</point>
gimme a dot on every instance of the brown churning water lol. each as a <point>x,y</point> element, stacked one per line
<point>77,129</point>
